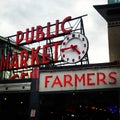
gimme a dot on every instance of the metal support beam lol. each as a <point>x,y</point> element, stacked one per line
<point>34,96</point>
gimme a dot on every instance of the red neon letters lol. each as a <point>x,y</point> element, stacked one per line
<point>38,34</point>
<point>88,79</point>
<point>25,59</point>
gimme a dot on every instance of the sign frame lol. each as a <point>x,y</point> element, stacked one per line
<point>54,80</point>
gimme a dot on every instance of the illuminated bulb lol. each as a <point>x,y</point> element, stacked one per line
<point>104,110</point>
<point>72,115</point>
<point>80,106</point>
<point>73,93</point>
<point>21,102</point>
<point>93,107</point>
<point>5,98</point>
<point>51,112</point>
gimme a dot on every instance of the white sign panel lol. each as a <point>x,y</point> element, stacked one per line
<point>15,86</point>
<point>62,80</point>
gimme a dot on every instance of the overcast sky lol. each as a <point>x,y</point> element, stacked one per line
<point>18,15</point>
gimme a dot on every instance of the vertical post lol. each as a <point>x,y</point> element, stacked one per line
<point>119,103</point>
<point>34,95</point>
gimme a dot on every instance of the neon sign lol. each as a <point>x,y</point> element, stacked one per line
<point>39,54</point>
<point>62,80</point>
<point>22,59</point>
<point>40,34</point>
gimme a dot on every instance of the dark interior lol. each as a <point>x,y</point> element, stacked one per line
<point>87,105</point>
<point>80,105</point>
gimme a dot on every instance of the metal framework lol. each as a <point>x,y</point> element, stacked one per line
<point>8,46</point>
<point>75,24</point>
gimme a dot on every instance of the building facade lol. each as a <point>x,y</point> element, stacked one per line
<point>63,85</point>
<point>111,13</point>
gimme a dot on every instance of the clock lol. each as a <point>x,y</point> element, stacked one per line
<point>74,47</point>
